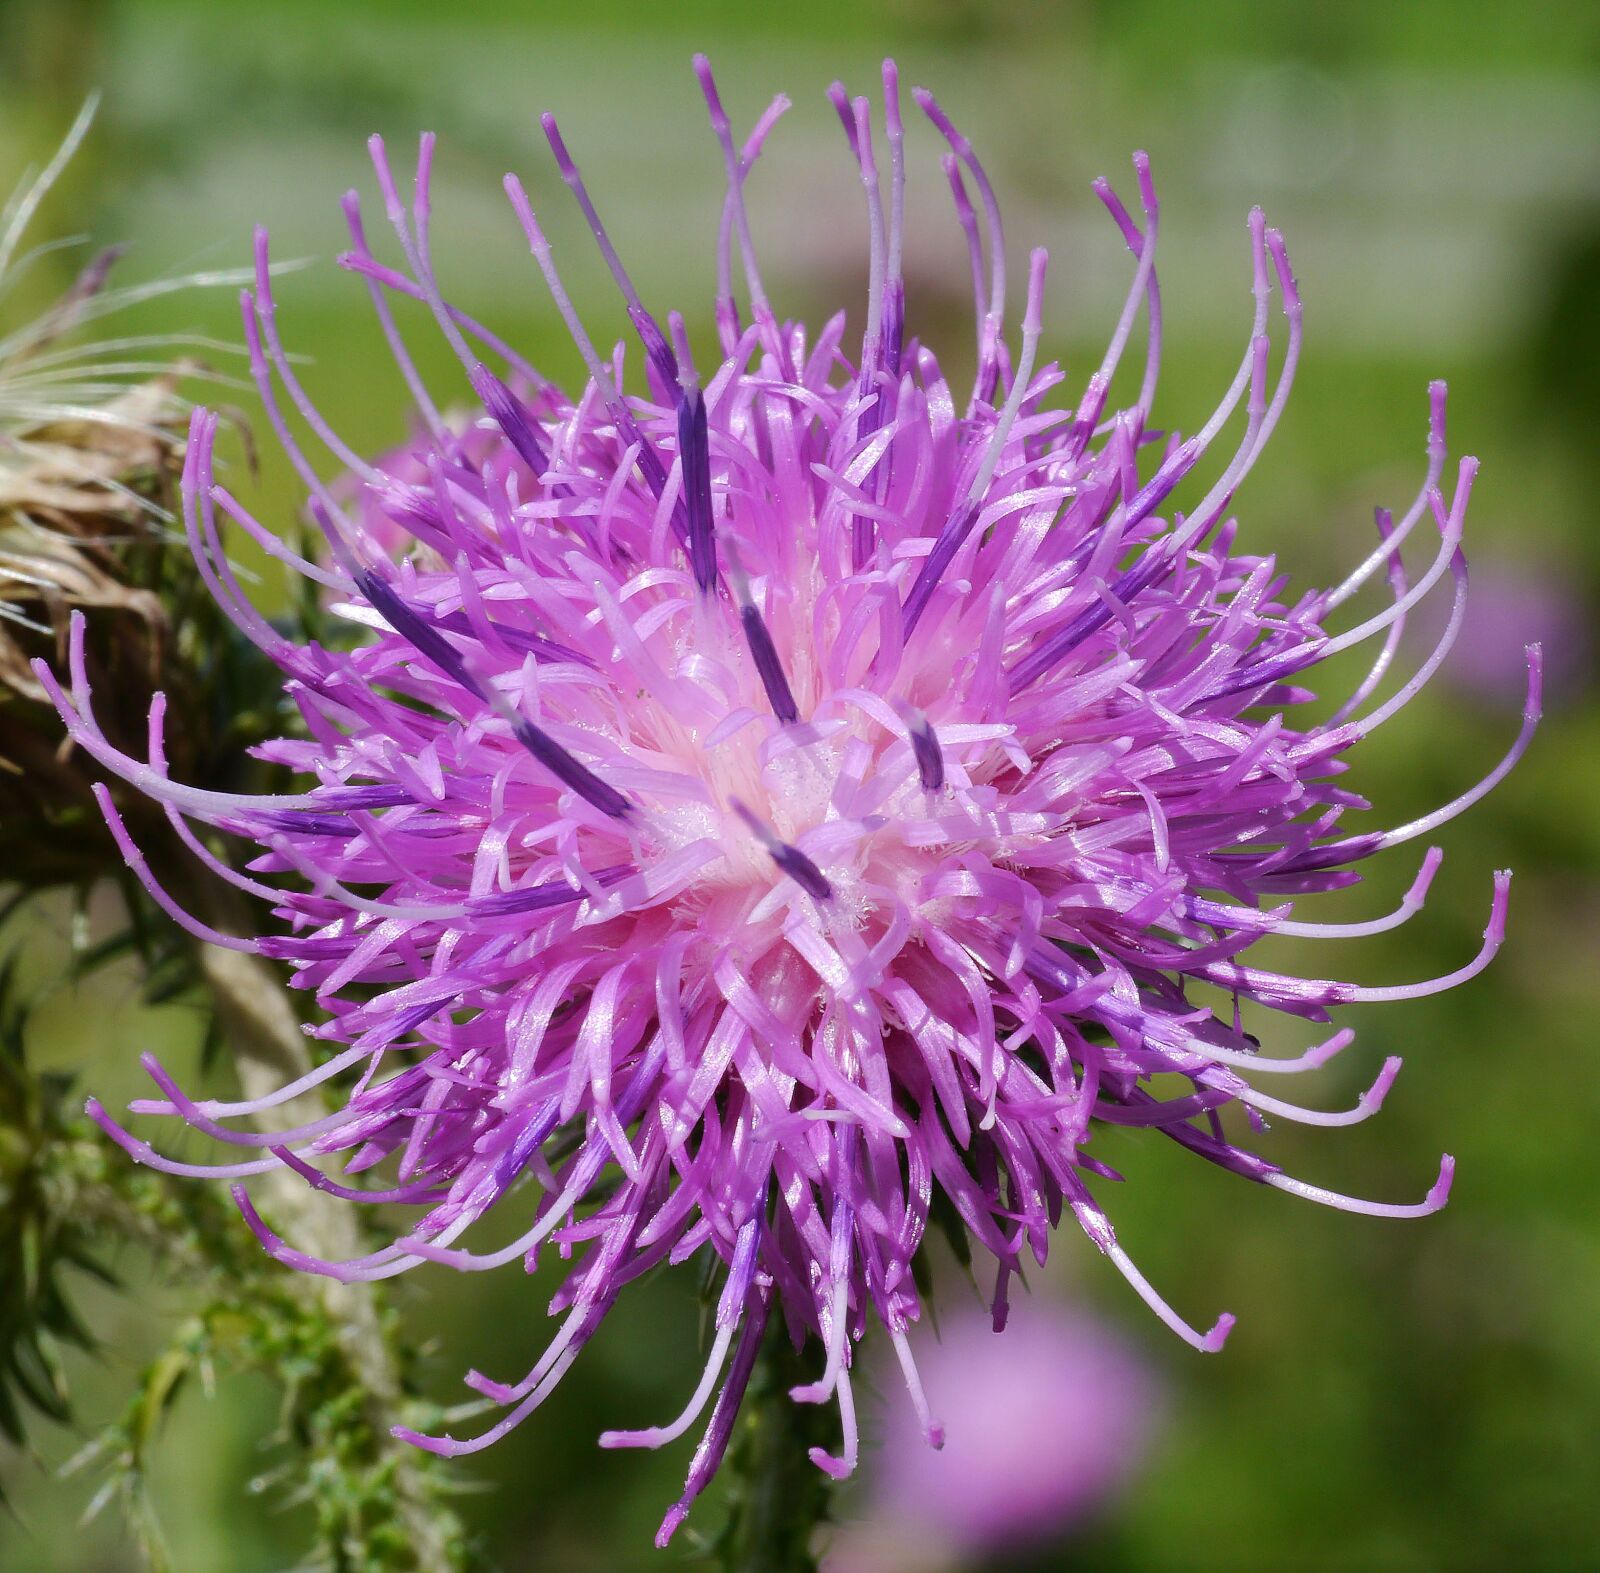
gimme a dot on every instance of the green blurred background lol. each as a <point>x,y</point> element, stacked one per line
<point>1396,1396</point>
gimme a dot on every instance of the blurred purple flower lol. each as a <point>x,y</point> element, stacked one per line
<point>765,802</point>
<point>1511,604</point>
<point>1045,1424</point>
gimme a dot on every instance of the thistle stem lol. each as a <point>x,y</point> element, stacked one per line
<point>268,1049</point>
<point>780,1498</point>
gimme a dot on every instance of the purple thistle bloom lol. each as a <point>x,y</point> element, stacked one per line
<point>1511,603</point>
<point>770,798</point>
<point>1046,1424</point>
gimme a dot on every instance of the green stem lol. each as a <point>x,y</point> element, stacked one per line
<point>269,1049</point>
<point>780,1498</point>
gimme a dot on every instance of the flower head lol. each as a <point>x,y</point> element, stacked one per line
<point>769,805</point>
<point>1512,602</point>
<point>1045,1425</point>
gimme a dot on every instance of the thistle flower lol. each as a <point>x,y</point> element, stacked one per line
<point>1046,1425</point>
<point>1511,601</point>
<point>768,808</point>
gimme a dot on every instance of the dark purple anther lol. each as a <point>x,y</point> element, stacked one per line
<point>290,823</point>
<point>1270,669</point>
<point>789,858</point>
<point>929,756</point>
<point>662,359</point>
<point>346,798</point>
<point>511,417</point>
<point>802,871</point>
<point>863,531</point>
<point>538,898</point>
<point>426,640</point>
<point>894,326</point>
<point>414,1016</point>
<point>416,512</point>
<point>1331,854</point>
<point>570,771</point>
<point>519,639</point>
<point>770,669</point>
<point>945,546</point>
<point>694,448</point>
